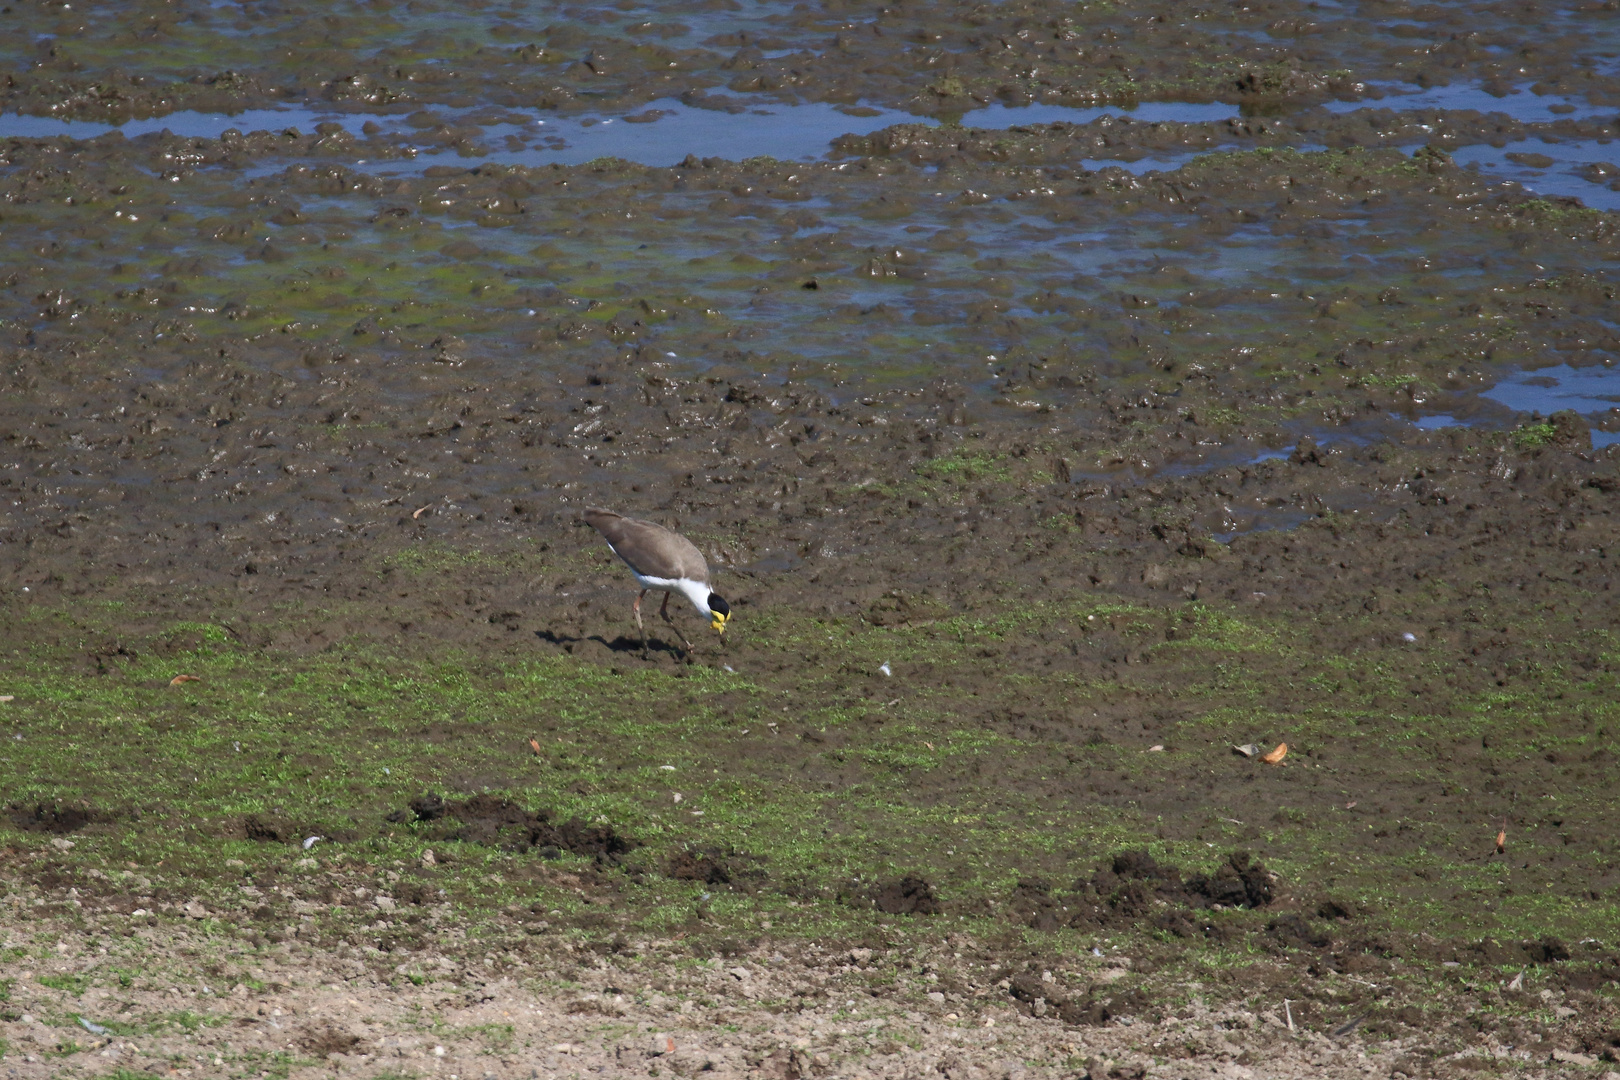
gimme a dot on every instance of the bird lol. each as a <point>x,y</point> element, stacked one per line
<point>664,560</point>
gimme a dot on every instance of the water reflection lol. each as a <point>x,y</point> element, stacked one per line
<point>1587,390</point>
<point>1552,389</point>
<point>996,117</point>
<point>662,133</point>
<point>1585,169</point>
<point>1521,104</point>
<point>185,123</point>
<point>667,131</point>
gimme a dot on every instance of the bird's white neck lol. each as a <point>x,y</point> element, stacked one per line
<point>697,592</point>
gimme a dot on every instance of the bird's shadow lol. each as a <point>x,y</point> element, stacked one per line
<point>621,644</point>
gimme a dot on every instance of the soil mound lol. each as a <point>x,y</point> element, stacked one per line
<point>1135,887</point>
<point>52,818</point>
<point>911,895</point>
<point>323,1040</point>
<point>715,866</point>
<point>1240,882</point>
<point>270,829</point>
<point>492,821</point>
<point>1035,996</point>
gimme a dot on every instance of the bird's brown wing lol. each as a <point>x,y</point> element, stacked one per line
<point>649,548</point>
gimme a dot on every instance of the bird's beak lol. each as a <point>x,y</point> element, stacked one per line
<point>719,623</point>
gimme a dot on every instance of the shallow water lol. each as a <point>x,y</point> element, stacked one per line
<point>661,133</point>
<point>186,123</point>
<point>1584,169</point>
<point>1152,112</point>
<point>669,131</point>
<point>664,132</point>
<point>1552,389</point>
<point>1521,104</point>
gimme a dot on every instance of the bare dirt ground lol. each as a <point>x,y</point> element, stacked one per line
<point>650,1009</point>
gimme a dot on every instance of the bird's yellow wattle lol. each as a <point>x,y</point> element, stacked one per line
<point>719,622</point>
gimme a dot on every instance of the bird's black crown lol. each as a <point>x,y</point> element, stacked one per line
<point>718,604</point>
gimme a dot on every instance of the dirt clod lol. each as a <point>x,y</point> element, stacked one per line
<point>911,895</point>
<point>52,818</point>
<point>707,867</point>
<point>428,807</point>
<point>321,1040</point>
<point>268,829</point>
<point>491,821</point>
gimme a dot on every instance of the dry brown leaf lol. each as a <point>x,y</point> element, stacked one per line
<point>535,744</point>
<point>419,512</point>
<point>178,679</point>
<point>1276,756</point>
<point>1501,842</point>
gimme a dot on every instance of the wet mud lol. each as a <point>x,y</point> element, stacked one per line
<point>132,59</point>
<point>1041,465</point>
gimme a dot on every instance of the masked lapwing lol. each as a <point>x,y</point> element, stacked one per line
<point>663,560</point>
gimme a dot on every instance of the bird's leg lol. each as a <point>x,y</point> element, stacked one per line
<point>639,625</point>
<point>664,611</point>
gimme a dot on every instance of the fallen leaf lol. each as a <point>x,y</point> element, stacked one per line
<point>419,512</point>
<point>1247,749</point>
<point>535,745</point>
<point>1155,749</point>
<point>1501,842</point>
<point>1351,805</point>
<point>178,679</point>
<point>7,697</point>
<point>1276,756</point>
